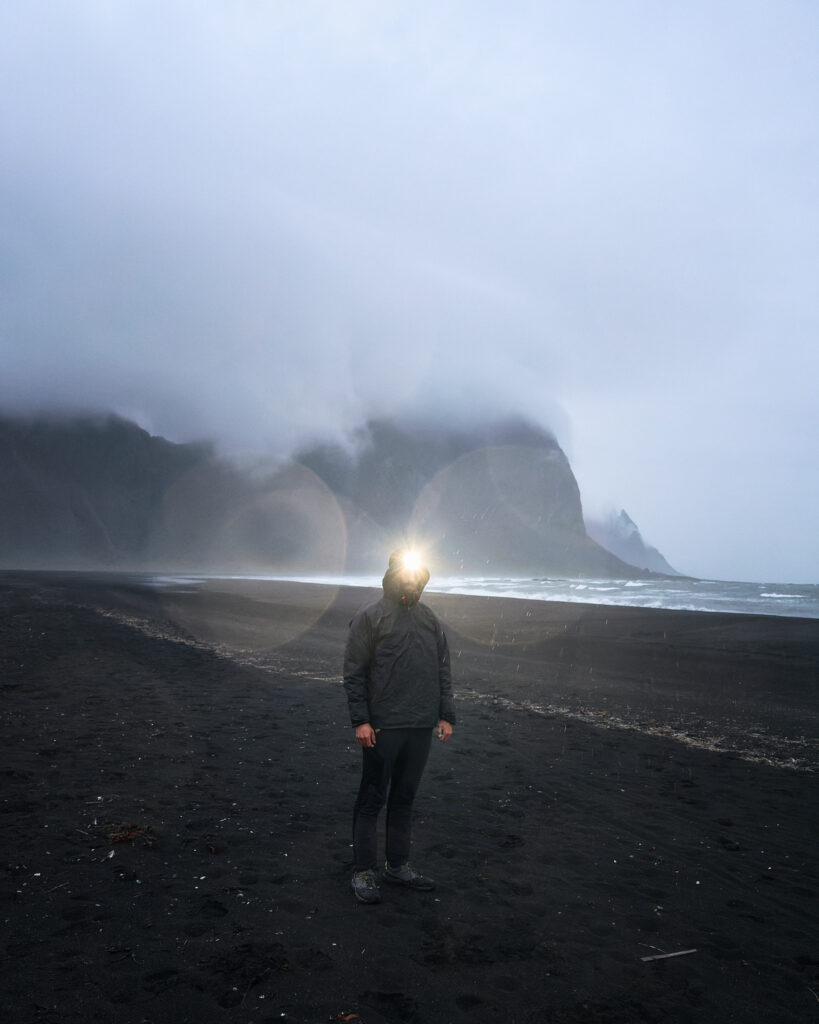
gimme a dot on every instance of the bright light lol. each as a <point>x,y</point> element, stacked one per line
<point>411,561</point>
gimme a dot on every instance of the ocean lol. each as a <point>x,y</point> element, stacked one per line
<point>682,594</point>
<point>800,600</point>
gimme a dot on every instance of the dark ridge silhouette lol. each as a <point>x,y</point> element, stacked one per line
<point>100,492</point>
<point>83,490</point>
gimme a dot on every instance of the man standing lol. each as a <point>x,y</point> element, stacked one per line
<point>399,688</point>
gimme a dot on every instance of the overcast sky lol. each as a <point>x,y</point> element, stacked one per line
<point>264,222</point>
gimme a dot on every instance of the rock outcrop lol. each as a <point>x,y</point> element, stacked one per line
<point>620,535</point>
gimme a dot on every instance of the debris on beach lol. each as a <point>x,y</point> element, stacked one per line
<point>129,833</point>
<point>667,956</point>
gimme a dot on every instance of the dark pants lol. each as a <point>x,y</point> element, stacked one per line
<point>396,762</point>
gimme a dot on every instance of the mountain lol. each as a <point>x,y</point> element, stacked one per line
<point>620,535</point>
<point>82,491</point>
<point>98,491</point>
<point>496,499</point>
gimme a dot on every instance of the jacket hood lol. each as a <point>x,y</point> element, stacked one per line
<point>396,585</point>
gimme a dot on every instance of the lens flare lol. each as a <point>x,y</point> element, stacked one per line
<point>411,561</point>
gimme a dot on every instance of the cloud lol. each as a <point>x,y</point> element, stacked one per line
<point>265,223</point>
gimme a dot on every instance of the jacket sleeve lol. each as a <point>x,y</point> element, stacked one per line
<point>357,659</point>
<point>446,705</point>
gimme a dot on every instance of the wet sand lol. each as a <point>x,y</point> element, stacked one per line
<point>178,775</point>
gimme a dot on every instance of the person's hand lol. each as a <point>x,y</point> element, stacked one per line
<point>444,730</point>
<point>365,734</point>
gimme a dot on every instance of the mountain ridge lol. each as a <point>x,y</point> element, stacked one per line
<point>99,491</point>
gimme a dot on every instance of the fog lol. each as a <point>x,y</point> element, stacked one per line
<point>264,224</point>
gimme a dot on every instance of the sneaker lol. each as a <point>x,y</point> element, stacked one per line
<point>405,875</point>
<point>365,887</point>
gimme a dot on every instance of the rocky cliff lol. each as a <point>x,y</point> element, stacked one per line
<point>620,535</point>
<point>497,499</point>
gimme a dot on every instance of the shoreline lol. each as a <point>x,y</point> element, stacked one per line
<point>717,597</point>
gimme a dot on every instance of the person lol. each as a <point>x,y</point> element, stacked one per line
<point>398,681</point>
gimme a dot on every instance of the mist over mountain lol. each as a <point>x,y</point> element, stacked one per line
<point>496,499</point>
<point>620,535</point>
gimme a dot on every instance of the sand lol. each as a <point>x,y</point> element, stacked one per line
<point>178,774</point>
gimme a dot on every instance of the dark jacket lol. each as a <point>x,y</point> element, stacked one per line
<point>396,665</point>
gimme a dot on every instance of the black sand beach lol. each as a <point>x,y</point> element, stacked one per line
<point>178,774</point>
